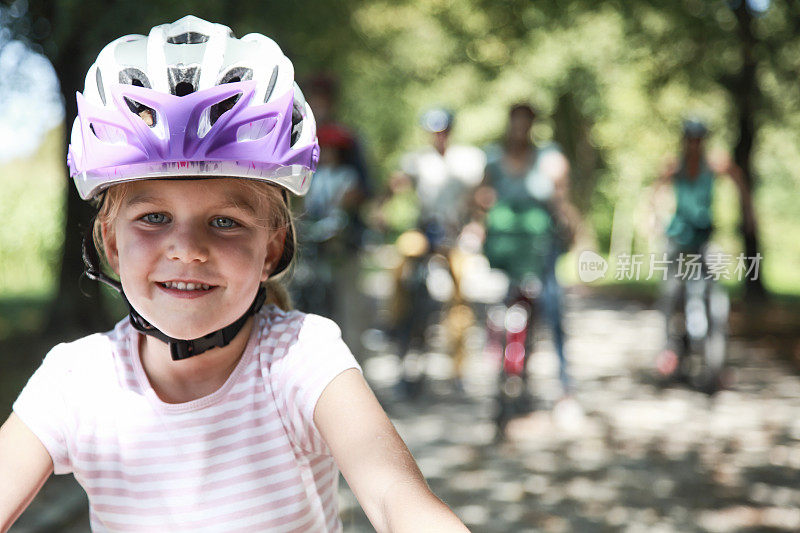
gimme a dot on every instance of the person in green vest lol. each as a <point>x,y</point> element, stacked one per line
<point>529,218</point>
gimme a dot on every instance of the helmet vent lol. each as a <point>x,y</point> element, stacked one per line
<point>255,130</point>
<point>183,80</point>
<point>134,76</point>
<point>237,74</point>
<point>183,88</point>
<point>217,110</point>
<point>107,133</point>
<point>224,106</point>
<point>99,80</point>
<point>189,37</point>
<point>148,114</point>
<point>297,122</point>
<point>271,85</point>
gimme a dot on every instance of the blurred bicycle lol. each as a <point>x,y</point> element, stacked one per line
<point>423,284</point>
<point>695,309</point>
<point>510,338</point>
<point>321,250</point>
<point>326,246</point>
<point>698,333</point>
<point>529,222</point>
<point>442,176</point>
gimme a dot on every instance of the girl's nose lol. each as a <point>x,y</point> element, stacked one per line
<point>188,244</point>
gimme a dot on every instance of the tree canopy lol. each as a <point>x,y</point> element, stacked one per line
<point>612,81</point>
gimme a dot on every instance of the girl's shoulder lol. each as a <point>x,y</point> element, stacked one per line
<point>280,320</point>
<point>78,367</point>
<point>86,351</point>
<point>282,331</point>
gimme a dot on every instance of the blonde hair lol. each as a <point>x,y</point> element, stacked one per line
<point>269,199</point>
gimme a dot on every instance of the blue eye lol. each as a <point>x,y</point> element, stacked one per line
<point>155,218</point>
<point>223,222</point>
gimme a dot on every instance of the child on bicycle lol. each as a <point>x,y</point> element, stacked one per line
<point>204,410</point>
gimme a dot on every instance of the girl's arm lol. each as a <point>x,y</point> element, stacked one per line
<point>376,462</point>
<point>25,465</point>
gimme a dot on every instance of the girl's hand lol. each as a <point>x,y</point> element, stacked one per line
<point>25,465</point>
<point>376,462</point>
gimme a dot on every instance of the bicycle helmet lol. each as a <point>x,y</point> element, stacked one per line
<point>437,119</point>
<point>694,128</point>
<point>190,100</point>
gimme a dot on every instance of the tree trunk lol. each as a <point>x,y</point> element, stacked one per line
<point>746,95</point>
<point>77,308</point>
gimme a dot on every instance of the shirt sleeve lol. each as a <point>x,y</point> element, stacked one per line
<point>299,377</point>
<point>43,408</point>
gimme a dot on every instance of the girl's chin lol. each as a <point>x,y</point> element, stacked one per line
<point>187,323</point>
<point>184,332</point>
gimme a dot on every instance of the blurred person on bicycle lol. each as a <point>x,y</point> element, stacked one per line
<point>529,222</point>
<point>324,280</point>
<point>323,94</point>
<point>443,175</point>
<point>338,198</point>
<point>691,176</point>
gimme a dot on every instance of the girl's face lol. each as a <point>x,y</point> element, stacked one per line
<point>191,253</point>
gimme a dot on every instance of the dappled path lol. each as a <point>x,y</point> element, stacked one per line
<point>639,459</point>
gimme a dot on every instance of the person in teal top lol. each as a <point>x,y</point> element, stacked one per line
<point>692,179</point>
<point>529,220</point>
<point>690,227</point>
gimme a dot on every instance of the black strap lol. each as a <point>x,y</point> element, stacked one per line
<point>91,264</point>
<point>183,349</point>
<point>178,348</point>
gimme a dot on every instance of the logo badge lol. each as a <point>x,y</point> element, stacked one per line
<point>591,266</point>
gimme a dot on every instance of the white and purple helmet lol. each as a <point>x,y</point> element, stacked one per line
<point>190,99</point>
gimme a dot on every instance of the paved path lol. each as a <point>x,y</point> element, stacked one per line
<point>641,458</point>
<point>634,458</point>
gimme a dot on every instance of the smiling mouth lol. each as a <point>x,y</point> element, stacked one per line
<point>184,286</point>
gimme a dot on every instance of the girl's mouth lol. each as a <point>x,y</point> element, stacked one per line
<point>186,286</point>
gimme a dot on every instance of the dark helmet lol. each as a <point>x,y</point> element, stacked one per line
<point>524,108</point>
<point>694,128</point>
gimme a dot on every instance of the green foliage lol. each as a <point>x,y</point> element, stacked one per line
<point>31,205</point>
<point>612,81</point>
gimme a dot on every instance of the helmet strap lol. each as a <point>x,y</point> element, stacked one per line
<point>178,348</point>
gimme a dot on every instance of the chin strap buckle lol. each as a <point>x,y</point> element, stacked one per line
<point>181,350</point>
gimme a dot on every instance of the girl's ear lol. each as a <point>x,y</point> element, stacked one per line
<point>110,246</point>
<point>274,252</point>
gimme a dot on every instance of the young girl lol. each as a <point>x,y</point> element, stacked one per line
<point>205,410</point>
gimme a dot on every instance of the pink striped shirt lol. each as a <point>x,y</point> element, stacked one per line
<point>246,458</point>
